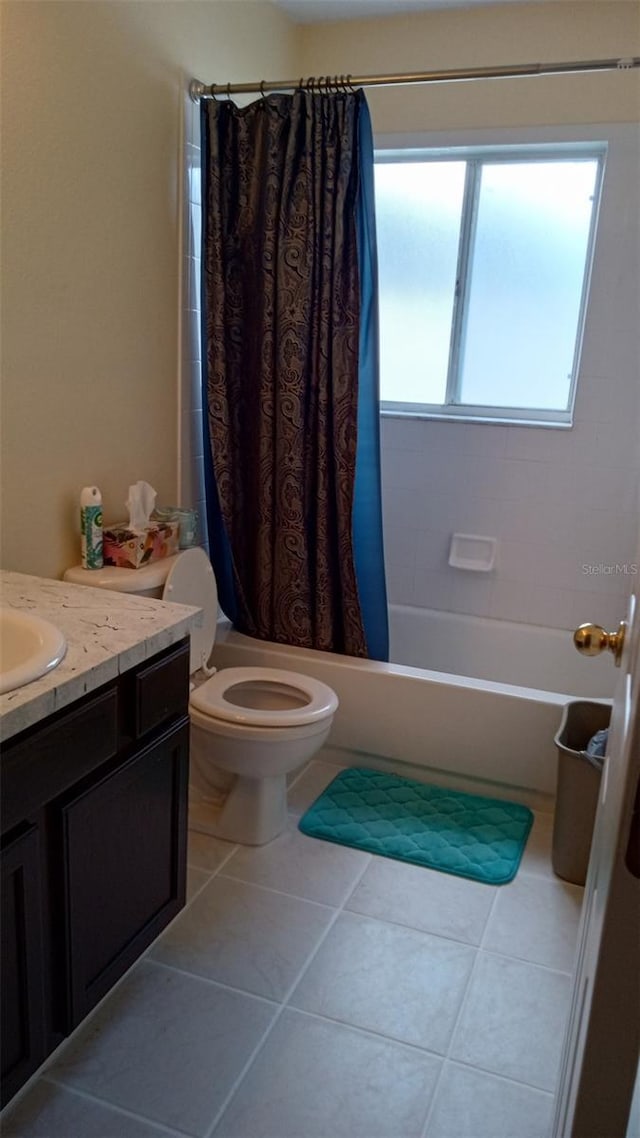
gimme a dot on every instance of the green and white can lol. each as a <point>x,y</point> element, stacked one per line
<point>91,528</point>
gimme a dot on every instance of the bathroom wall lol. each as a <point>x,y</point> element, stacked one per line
<point>92,106</point>
<point>563,504</point>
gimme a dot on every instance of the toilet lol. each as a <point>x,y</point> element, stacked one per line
<point>250,727</point>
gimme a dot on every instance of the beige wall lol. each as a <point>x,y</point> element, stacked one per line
<point>479,37</point>
<point>91,106</point>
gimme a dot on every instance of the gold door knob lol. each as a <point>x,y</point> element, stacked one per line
<point>591,639</point>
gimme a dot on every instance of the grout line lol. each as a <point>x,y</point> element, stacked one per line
<point>223,862</point>
<point>532,963</point>
<point>299,775</point>
<point>424,1132</point>
<point>338,912</point>
<point>273,1002</point>
<point>161,1127</point>
<point>237,1084</point>
<point>368,1032</point>
<point>410,928</point>
<point>501,1078</point>
<point>463,1003</point>
<point>278,892</point>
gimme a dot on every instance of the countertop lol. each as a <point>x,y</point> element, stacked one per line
<point>106,633</point>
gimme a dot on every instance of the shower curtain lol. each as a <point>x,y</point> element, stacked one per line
<point>290,370</point>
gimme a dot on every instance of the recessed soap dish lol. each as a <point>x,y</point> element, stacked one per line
<point>469,551</point>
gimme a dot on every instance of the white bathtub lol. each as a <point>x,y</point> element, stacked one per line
<point>474,701</point>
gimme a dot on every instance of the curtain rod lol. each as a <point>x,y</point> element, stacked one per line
<point>325,83</point>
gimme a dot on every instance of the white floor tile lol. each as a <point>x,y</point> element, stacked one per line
<point>472,1104</point>
<point>48,1111</point>
<point>513,1020</point>
<point>537,920</point>
<point>244,936</point>
<point>314,1079</point>
<point>205,852</point>
<point>166,1046</point>
<point>391,980</point>
<point>196,878</point>
<point>310,785</point>
<point>302,866</point>
<point>537,852</point>
<point>389,989</point>
<point>423,899</point>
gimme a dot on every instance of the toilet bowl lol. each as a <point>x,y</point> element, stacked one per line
<point>250,727</point>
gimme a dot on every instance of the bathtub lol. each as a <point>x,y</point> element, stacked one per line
<point>468,702</point>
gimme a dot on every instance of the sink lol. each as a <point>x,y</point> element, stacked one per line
<point>29,647</point>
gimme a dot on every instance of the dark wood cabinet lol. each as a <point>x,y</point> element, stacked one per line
<point>94,823</point>
<point>124,850</point>
<point>22,981</point>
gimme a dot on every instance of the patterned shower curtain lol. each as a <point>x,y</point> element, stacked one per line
<point>290,380</point>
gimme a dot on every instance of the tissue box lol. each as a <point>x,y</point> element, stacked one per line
<point>131,548</point>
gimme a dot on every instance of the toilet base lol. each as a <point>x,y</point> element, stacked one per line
<point>253,813</point>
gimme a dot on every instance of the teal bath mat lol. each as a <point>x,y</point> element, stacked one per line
<point>464,834</point>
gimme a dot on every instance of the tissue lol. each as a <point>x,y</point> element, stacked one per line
<point>140,503</point>
<point>132,544</point>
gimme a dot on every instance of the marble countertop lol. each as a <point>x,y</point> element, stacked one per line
<point>106,633</point>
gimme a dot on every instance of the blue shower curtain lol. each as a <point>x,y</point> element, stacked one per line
<point>290,370</point>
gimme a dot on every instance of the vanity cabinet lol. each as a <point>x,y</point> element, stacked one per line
<point>94,828</point>
<point>23,1011</point>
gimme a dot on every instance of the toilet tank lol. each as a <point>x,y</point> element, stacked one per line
<point>148,581</point>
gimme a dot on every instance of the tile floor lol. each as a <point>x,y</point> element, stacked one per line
<point>313,991</point>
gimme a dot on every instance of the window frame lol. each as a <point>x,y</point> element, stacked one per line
<point>475,155</point>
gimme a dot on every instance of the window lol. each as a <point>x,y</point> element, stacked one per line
<point>484,262</point>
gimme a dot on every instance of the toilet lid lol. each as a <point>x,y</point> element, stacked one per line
<point>191,582</point>
<point>264,697</point>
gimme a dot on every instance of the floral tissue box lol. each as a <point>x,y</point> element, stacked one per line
<point>131,548</point>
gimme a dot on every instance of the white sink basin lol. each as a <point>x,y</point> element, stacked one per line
<point>29,647</point>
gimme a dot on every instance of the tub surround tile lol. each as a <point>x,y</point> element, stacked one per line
<point>301,866</point>
<point>390,980</point>
<point>317,1079</point>
<point>423,899</point>
<point>106,634</point>
<point>472,1104</point>
<point>51,1111</point>
<point>166,1046</point>
<point>250,938</point>
<point>513,1020</point>
<point>537,920</point>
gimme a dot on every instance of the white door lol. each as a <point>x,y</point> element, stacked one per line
<point>600,1058</point>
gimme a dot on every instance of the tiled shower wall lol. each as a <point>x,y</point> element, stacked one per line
<point>191,471</point>
<point>563,504</point>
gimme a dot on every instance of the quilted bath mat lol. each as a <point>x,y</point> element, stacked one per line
<point>464,834</point>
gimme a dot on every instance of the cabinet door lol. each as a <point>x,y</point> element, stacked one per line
<point>23,1029</point>
<point>125,851</point>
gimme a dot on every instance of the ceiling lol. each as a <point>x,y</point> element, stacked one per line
<point>314,11</point>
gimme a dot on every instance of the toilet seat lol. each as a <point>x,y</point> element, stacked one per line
<point>213,699</point>
<point>191,581</point>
